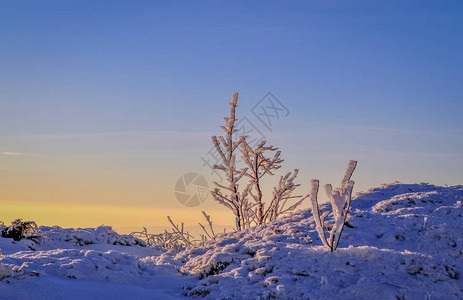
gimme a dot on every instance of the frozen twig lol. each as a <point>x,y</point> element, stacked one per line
<point>210,235</point>
<point>184,236</point>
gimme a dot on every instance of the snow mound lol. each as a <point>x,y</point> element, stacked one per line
<point>87,236</point>
<point>49,238</point>
<point>78,264</point>
<point>83,263</point>
<point>90,253</point>
<point>400,241</point>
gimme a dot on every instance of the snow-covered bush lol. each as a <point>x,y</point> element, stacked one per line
<point>340,203</point>
<point>176,239</point>
<point>8,270</point>
<point>20,229</point>
<point>166,240</point>
<point>247,203</point>
<point>5,271</point>
<point>86,236</point>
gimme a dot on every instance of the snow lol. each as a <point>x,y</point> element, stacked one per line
<point>401,241</point>
<point>91,263</point>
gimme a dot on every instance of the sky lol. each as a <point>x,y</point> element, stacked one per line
<point>105,104</point>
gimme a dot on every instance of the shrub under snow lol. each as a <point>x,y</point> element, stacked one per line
<point>20,229</point>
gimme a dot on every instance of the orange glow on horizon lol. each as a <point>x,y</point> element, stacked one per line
<point>124,218</point>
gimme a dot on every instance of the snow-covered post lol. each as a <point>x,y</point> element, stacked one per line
<point>340,203</point>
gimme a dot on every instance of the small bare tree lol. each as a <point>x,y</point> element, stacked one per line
<point>233,199</point>
<point>248,213</point>
<point>258,166</point>
<point>340,203</point>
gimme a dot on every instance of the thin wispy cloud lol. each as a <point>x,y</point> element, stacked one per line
<point>13,153</point>
<point>173,134</point>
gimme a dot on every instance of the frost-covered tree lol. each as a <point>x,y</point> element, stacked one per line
<point>230,195</point>
<point>340,203</point>
<point>248,203</point>
<point>259,166</point>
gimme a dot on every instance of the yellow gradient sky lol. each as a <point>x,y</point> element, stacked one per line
<point>104,105</point>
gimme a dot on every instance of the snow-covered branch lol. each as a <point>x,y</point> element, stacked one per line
<point>209,235</point>
<point>260,165</point>
<point>340,203</point>
<point>281,194</point>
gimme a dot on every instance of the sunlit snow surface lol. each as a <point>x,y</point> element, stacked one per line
<point>402,241</point>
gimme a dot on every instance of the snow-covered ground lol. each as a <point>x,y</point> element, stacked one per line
<point>401,241</point>
<point>92,263</point>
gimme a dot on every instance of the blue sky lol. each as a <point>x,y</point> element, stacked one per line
<point>100,95</point>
